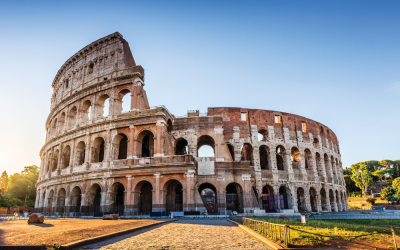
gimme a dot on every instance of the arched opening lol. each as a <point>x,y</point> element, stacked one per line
<point>43,199</point>
<point>231,151</point>
<point>80,153</point>
<point>98,149</point>
<point>332,200</point>
<point>66,156</point>
<point>313,200</point>
<point>269,201</point>
<point>181,147</point>
<point>117,198</point>
<point>72,117</point>
<point>319,164</point>
<point>296,158</point>
<point>90,69</point>
<point>301,201</point>
<point>95,197</point>
<point>337,201</point>
<point>205,146</point>
<point>147,144</point>
<point>264,162</point>
<point>173,196</point>
<point>48,162</point>
<point>55,160</point>
<point>54,128</point>
<point>284,196</point>
<point>123,148</point>
<point>208,194</point>
<point>50,199</point>
<point>263,135</point>
<point>103,106</point>
<point>280,152</point>
<point>247,153</point>
<point>323,200</point>
<point>316,143</point>
<point>123,102</point>
<point>234,198</point>
<point>76,199</point>
<point>308,160</point>
<point>86,111</point>
<point>146,198</point>
<point>169,125</point>
<point>328,168</point>
<point>61,198</point>
<point>61,123</point>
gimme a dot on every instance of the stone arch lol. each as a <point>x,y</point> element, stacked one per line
<point>54,128</point>
<point>61,197</point>
<point>117,197</point>
<point>338,200</point>
<point>205,141</point>
<point>301,200</point>
<point>318,160</point>
<point>144,199</point>
<point>61,123</point>
<point>268,200</point>
<point>247,153</point>
<point>313,199</point>
<point>103,102</point>
<point>169,125</point>
<point>55,160</point>
<point>50,198</point>
<point>263,135</point>
<point>316,143</point>
<point>181,147</point>
<point>264,157</point>
<point>66,157</point>
<point>94,196</point>
<point>323,200</point>
<point>121,98</point>
<point>85,111</point>
<point>296,158</point>
<point>98,149</point>
<point>327,166</point>
<point>173,193</point>
<point>208,194</point>
<point>72,116</point>
<point>120,146</point>
<point>280,157</point>
<point>332,199</point>
<point>308,162</point>
<point>285,197</point>
<point>146,143</point>
<point>234,197</point>
<point>76,199</point>
<point>80,153</point>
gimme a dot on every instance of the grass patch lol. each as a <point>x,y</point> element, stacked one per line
<point>318,232</point>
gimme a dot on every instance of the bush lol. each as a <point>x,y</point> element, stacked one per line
<point>371,201</point>
<point>386,192</point>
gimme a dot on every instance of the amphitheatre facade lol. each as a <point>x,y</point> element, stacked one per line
<point>100,158</point>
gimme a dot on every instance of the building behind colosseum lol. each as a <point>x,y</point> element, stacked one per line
<point>101,158</point>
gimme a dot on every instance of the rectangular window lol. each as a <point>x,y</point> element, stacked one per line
<point>277,119</point>
<point>244,116</point>
<point>304,127</point>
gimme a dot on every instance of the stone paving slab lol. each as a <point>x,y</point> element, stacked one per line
<point>185,234</point>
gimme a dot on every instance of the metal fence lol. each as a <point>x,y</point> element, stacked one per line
<point>277,232</point>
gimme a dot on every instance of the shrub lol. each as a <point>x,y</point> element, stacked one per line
<point>371,201</point>
<point>386,192</point>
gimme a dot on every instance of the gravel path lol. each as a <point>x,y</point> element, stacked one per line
<point>185,234</point>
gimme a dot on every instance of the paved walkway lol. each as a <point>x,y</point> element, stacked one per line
<point>185,234</point>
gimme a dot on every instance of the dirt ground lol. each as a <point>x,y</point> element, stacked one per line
<point>62,231</point>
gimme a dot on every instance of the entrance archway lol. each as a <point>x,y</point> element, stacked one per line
<point>284,196</point>
<point>234,197</point>
<point>76,199</point>
<point>313,200</point>
<point>208,194</point>
<point>173,196</point>
<point>268,198</point>
<point>323,200</point>
<point>117,198</point>
<point>145,197</point>
<point>301,201</point>
<point>95,197</point>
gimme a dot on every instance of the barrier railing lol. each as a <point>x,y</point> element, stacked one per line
<point>277,232</point>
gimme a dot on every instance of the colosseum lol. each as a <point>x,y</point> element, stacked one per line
<point>108,150</point>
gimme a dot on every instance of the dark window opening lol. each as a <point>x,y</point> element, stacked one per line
<point>263,157</point>
<point>91,68</point>
<point>231,151</point>
<point>181,147</point>
<point>148,146</point>
<point>123,148</point>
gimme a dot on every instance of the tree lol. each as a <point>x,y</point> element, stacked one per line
<point>380,173</point>
<point>361,176</point>
<point>396,185</point>
<point>350,184</point>
<point>386,192</point>
<point>3,182</point>
<point>386,163</point>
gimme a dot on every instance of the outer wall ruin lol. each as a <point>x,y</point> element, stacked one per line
<point>146,159</point>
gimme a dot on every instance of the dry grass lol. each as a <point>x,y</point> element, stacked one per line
<point>62,231</point>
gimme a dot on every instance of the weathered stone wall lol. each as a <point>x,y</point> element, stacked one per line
<point>147,159</point>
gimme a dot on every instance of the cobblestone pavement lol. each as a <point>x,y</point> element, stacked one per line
<point>185,234</point>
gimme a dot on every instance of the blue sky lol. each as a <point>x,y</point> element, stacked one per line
<point>336,62</point>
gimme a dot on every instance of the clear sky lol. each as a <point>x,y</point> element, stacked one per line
<point>336,62</point>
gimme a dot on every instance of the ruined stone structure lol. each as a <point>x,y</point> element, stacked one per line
<point>98,157</point>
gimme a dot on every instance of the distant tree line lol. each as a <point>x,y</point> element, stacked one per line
<point>363,174</point>
<point>19,189</point>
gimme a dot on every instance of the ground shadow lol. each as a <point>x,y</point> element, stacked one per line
<point>41,225</point>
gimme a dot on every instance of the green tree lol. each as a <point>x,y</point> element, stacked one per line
<point>3,182</point>
<point>396,185</point>
<point>361,176</point>
<point>350,184</point>
<point>380,173</point>
<point>386,192</point>
<point>386,163</point>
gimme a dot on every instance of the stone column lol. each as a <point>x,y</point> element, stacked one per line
<point>276,193</point>
<point>132,143</point>
<point>303,165</point>
<point>318,202</point>
<point>288,163</point>
<point>189,202</point>
<point>307,200</point>
<point>60,151</point>
<point>37,198</point>
<point>156,193</point>
<point>236,142</point>
<point>128,191</point>
<point>294,199</point>
<point>157,144</point>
